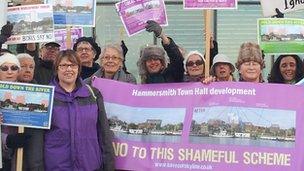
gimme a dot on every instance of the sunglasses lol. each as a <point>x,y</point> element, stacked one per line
<point>12,68</point>
<point>197,63</point>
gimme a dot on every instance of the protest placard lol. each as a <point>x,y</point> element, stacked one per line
<point>74,12</point>
<point>191,126</point>
<point>135,13</point>
<point>61,36</point>
<point>210,4</point>
<point>3,8</point>
<point>281,35</point>
<point>32,23</point>
<point>284,6</point>
<point>26,105</point>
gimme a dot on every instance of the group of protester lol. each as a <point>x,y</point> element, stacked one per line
<point>79,138</point>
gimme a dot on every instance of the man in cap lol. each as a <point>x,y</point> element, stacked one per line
<point>222,68</point>
<point>88,51</point>
<point>152,64</point>
<point>44,65</point>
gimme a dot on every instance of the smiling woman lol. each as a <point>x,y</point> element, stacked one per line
<point>287,69</point>
<point>111,61</point>
<point>79,122</point>
<point>250,63</point>
<point>194,64</point>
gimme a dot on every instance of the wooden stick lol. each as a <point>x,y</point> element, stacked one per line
<point>208,16</point>
<point>68,40</point>
<point>19,153</point>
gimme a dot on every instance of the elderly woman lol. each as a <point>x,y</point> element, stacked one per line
<point>79,138</point>
<point>222,68</point>
<point>287,69</point>
<point>250,63</point>
<point>27,64</point>
<point>194,64</point>
<point>111,60</point>
<point>33,150</point>
<point>11,140</point>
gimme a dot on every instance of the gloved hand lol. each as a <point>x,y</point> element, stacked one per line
<point>279,13</point>
<point>153,26</point>
<point>17,140</point>
<point>7,29</point>
<point>124,48</point>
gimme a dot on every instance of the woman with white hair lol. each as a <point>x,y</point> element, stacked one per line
<point>111,61</point>
<point>33,150</point>
<point>194,64</point>
<point>27,65</point>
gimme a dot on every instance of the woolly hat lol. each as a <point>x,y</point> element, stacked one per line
<point>92,42</point>
<point>250,52</point>
<point>152,52</point>
<point>221,58</point>
<point>195,52</point>
<point>9,58</point>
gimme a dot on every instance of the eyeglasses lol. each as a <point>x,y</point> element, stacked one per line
<point>114,58</point>
<point>66,66</point>
<point>197,63</point>
<point>12,68</point>
<point>51,48</point>
<point>84,49</point>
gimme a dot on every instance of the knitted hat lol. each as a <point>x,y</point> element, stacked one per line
<point>153,52</point>
<point>221,58</point>
<point>250,52</point>
<point>92,42</point>
<point>195,52</point>
<point>9,58</point>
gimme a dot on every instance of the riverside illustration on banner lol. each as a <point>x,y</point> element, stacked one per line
<point>191,126</point>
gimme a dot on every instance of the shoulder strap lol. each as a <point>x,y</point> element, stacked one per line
<point>91,90</point>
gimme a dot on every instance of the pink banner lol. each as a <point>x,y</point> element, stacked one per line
<point>191,126</point>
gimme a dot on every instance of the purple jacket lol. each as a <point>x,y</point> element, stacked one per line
<point>72,143</point>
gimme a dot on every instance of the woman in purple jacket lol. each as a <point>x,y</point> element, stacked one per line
<point>79,138</point>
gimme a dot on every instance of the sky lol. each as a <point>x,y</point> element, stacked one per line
<point>290,29</point>
<point>257,116</point>
<point>30,97</point>
<point>75,2</point>
<point>140,115</point>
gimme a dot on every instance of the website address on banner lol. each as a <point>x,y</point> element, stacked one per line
<point>183,166</point>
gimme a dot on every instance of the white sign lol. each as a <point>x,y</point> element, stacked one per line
<point>32,23</point>
<point>3,16</point>
<point>285,6</point>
